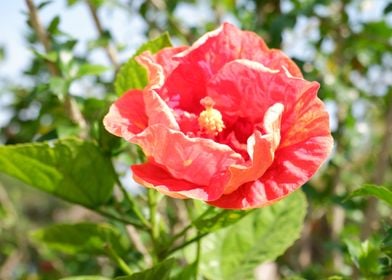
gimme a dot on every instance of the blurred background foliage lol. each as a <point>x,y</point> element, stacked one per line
<point>346,45</point>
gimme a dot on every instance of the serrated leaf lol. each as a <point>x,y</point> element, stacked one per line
<point>132,75</point>
<point>380,192</point>
<point>161,271</point>
<point>87,238</point>
<point>71,169</point>
<point>263,235</point>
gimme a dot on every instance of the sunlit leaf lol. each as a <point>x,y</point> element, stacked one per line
<point>263,235</point>
<point>71,169</point>
<point>91,69</point>
<point>79,238</point>
<point>381,192</point>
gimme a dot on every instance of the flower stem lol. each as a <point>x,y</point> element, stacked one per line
<point>154,229</point>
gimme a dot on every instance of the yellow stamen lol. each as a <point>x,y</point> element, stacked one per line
<point>210,120</point>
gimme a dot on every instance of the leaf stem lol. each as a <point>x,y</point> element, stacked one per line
<point>116,218</point>
<point>185,244</point>
<point>188,227</point>
<point>198,254</point>
<point>118,260</point>
<point>132,204</point>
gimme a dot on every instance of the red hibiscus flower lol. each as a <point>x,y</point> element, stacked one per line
<point>227,121</point>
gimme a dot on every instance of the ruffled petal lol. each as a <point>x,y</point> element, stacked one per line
<point>292,167</point>
<point>186,85</point>
<point>127,116</point>
<point>166,58</point>
<point>261,149</point>
<point>202,162</point>
<point>238,98</point>
<point>153,176</point>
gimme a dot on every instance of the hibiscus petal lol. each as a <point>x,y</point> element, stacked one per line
<point>136,110</point>
<point>127,116</point>
<point>153,176</point>
<point>202,162</point>
<point>228,43</point>
<point>236,97</point>
<point>166,58</point>
<point>197,64</point>
<point>261,149</point>
<point>292,167</point>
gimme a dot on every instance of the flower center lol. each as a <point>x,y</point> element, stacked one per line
<point>210,120</point>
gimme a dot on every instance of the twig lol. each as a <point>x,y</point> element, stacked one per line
<point>109,49</point>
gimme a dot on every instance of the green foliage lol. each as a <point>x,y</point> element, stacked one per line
<point>89,277</point>
<point>216,219</point>
<point>91,69</point>
<point>263,235</point>
<point>160,271</point>
<point>71,169</point>
<point>82,238</point>
<point>381,192</point>
<point>366,256</point>
<point>132,75</point>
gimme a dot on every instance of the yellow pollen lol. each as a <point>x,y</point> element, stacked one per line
<point>210,120</point>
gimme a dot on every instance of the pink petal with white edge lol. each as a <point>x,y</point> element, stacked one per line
<point>202,162</point>
<point>127,116</point>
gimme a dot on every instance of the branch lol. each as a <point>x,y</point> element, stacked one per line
<point>109,49</point>
<point>42,35</point>
<point>70,105</point>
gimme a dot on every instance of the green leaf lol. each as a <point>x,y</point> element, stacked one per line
<point>380,192</point>
<point>91,69</point>
<point>87,238</point>
<point>386,245</point>
<point>71,169</point>
<point>186,273</point>
<point>132,75</point>
<point>53,27</point>
<point>161,271</point>
<point>86,277</point>
<point>72,2</point>
<point>218,219</point>
<point>263,235</point>
<point>366,256</point>
<point>58,86</point>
